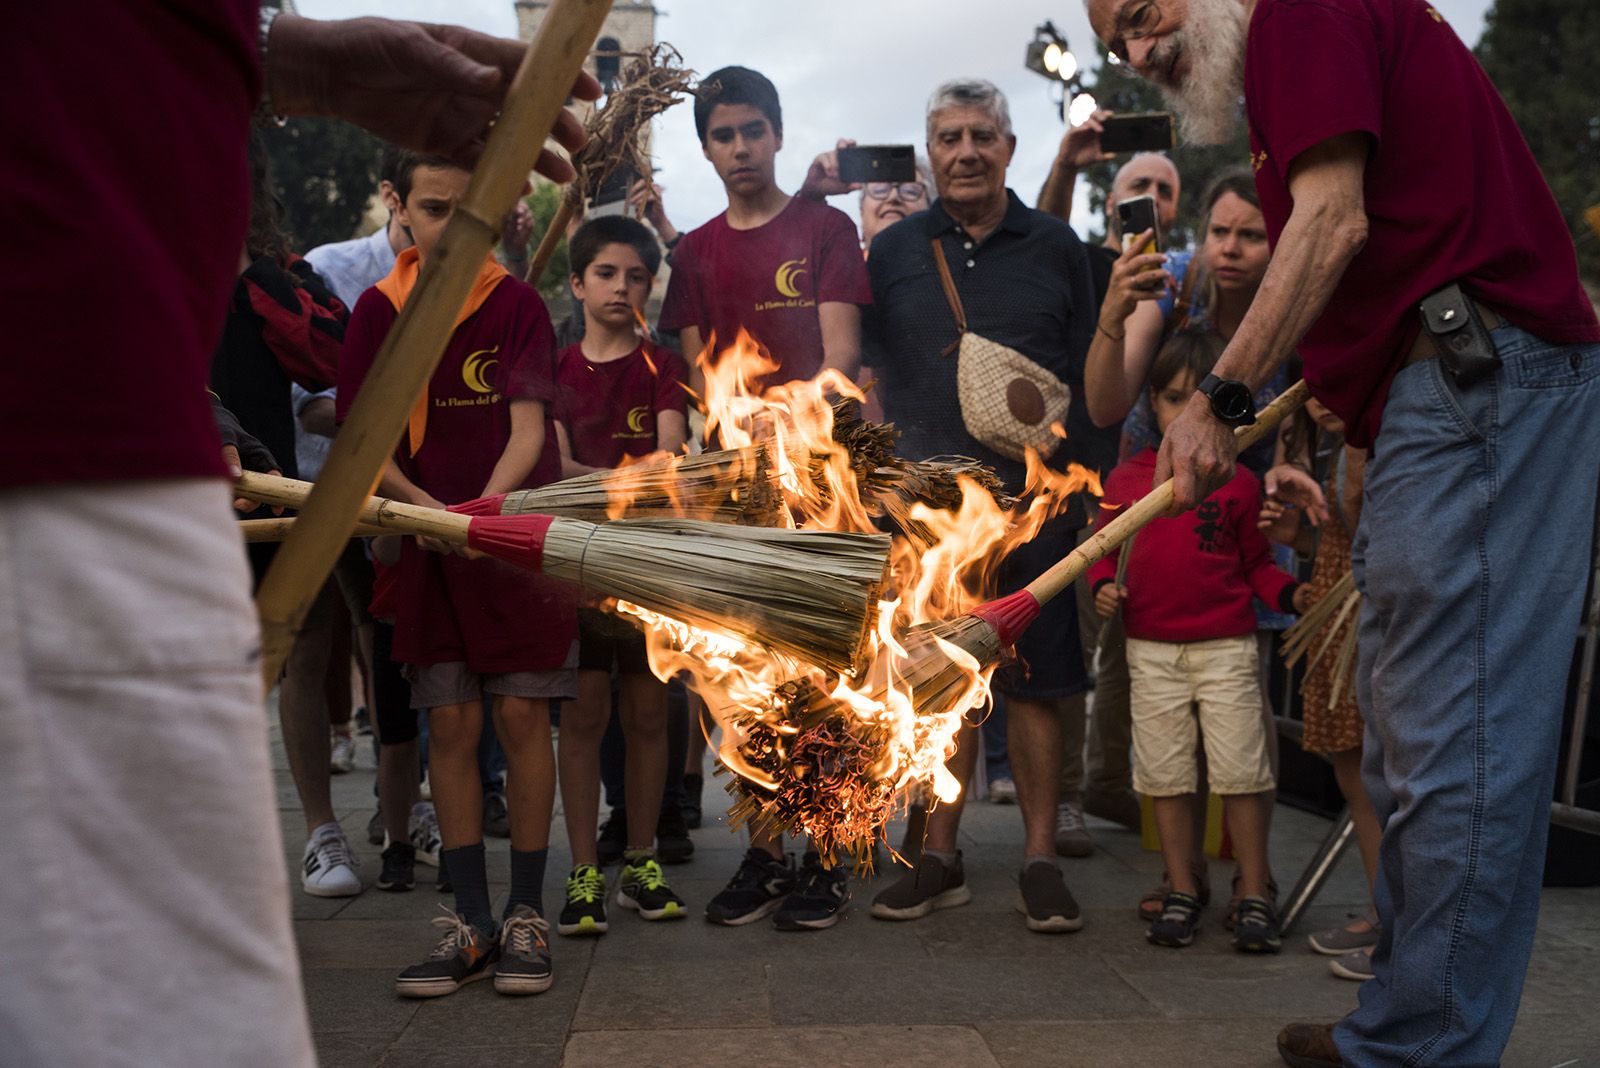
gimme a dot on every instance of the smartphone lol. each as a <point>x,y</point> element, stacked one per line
<point>1139,131</point>
<point>878,163</point>
<point>1136,215</point>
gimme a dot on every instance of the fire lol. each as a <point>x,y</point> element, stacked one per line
<point>830,754</point>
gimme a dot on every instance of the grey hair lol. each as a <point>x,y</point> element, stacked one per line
<point>971,93</point>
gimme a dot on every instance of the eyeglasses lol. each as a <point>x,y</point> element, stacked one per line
<point>1134,22</point>
<point>907,190</point>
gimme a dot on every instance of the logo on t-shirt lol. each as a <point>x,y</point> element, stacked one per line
<point>475,372</point>
<point>639,423</point>
<point>785,280</point>
<point>1210,528</point>
<point>1258,160</point>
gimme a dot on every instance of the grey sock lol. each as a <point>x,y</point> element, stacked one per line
<point>1030,861</point>
<point>946,859</point>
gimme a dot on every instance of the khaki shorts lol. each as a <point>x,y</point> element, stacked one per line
<point>1221,676</point>
<point>438,685</point>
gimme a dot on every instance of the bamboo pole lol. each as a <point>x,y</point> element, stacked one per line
<point>258,530</point>
<point>378,514</point>
<point>1151,506</point>
<point>552,237</point>
<point>418,339</point>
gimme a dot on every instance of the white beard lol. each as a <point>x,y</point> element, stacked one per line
<point>1213,36</point>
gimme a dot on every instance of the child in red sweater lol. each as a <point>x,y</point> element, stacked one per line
<point>1191,642</point>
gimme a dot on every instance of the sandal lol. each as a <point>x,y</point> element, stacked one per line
<point>1154,901</point>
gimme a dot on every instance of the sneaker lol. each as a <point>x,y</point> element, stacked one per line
<point>464,955</point>
<point>376,835</point>
<point>496,816</point>
<point>329,865</point>
<point>342,754</point>
<point>756,890</point>
<point>1072,833</point>
<point>1121,809</point>
<point>1153,903</point>
<point>362,723</point>
<point>817,901</point>
<point>524,954</point>
<point>1046,902</point>
<point>644,889</point>
<point>399,868</point>
<point>1304,1045</point>
<point>931,885</point>
<point>1355,965</point>
<point>425,833</point>
<point>1337,941</point>
<point>1256,928</point>
<point>1174,928</point>
<point>585,910</point>
<point>694,785</point>
<point>673,844</point>
<point>1003,791</point>
<point>613,840</point>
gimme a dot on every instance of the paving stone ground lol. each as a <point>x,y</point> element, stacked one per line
<point>964,988</point>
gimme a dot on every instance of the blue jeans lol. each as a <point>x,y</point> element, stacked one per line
<point>1473,554</point>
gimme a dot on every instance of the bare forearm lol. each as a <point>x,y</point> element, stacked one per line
<point>841,338</point>
<point>396,486</point>
<point>523,448</point>
<point>1056,196</point>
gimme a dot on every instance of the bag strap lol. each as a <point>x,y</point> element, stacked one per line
<point>949,284</point>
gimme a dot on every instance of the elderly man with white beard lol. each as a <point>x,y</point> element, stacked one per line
<point>1423,270</point>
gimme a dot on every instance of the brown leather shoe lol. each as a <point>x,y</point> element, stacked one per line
<point>1307,1045</point>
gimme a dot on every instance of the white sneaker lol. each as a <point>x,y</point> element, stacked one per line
<point>1072,833</point>
<point>425,833</point>
<point>1003,791</point>
<point>342,757</point>
<point>329,868</point>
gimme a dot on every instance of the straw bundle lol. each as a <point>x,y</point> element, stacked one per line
<point>1326,620</point>
<point>935,682</point>
<point>809,594</point>
<point>935,483</point>
<point>730,486</point>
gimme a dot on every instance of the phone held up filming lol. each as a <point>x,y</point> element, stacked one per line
<point>1134,216</point>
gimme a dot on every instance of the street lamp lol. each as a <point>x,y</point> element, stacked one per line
<point>1049,57</point>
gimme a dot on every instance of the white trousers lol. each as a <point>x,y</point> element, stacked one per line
<point>144,911</point>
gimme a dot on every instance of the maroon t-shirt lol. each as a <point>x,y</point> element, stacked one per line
<point>610,408</point>
<point>126,196</point>
<point>769,281</point>
<point>1452,192</point>
<point>486,613</point>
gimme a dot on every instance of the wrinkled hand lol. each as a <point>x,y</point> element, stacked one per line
<point>1109,598</point>
<point>1303,600</point>
<point>1198,453</point>
<point>230,456</point>
<point>1292,486</point>
<point>517,230</point>
<point>425,87</point>
<point>1081,145</point>
<point>1135,276</point>
<point>822,179</point>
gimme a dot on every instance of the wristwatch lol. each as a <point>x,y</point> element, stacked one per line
<point>1231,402</point>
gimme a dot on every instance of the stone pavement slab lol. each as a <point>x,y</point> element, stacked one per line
<point>789,1047</point>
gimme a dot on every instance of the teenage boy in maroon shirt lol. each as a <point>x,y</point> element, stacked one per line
<point>789,271</point>
<point>470,627</point>
<point>1390,171</point>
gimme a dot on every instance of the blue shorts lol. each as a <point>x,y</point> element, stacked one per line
<point>1049,661</point>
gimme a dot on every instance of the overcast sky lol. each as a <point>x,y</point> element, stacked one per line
<point>843,68</point>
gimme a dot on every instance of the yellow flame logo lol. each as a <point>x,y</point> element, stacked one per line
<point>1258,161</point>
<point>636,418</point>
<point>475,373</point>
<point>787,273</point>
<point>1435,15</point>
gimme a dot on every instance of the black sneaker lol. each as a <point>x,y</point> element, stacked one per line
<point>644,889</point>
<point>524,954</point>
<point>1046,903</point>
<point>613,841</point>
<point>464,955</point>
<point>694,784</point>
<point>1255,929</point>
<point>673,844</point>
<point>375,832</point>
<point>496,816</point>
<point>817,901</point>
<point>1180,915</point>
<point>443,884</point>
<point>756,890</point>
<point>399,868</point>
<point>930,885</point>
<point>585,910</point>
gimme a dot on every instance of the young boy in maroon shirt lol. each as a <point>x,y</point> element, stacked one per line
<point>1191,641</point>
<point>788,270</point>
<point>621,397</point>
<point>464,626</point>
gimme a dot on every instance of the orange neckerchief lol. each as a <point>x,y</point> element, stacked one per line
<point>397,286</point>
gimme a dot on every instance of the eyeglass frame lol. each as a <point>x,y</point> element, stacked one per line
<point>886,187</point>
<point>1121,34</point>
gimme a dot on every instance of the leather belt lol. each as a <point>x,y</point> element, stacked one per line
<point>1423,347</point>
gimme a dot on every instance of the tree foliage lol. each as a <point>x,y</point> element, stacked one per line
<point>1544,57</point>
<point>325,172</point>
<point>1122,91</point>
<point>552,285</point>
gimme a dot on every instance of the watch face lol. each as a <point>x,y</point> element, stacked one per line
<point>1233,400</point>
